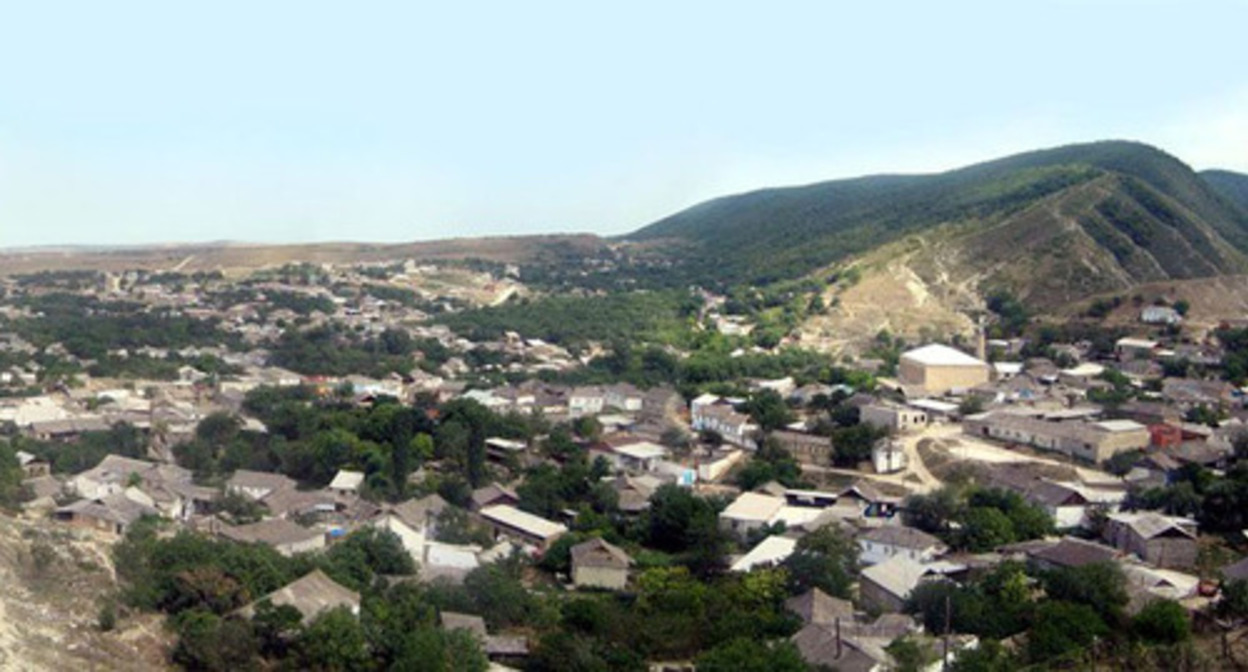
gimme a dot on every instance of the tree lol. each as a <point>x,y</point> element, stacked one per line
<point>747,655</point>
<point>430,649</point>
<point>1101,586</point>
<point>768,409</point>
<point>908,654</point>
<point>826,559</point>
<point>1062,628</point>
<point>208,642</point>
<point>1162,622</point>
<point>333,642</point>
<point>1234,602</point>
<point>983,529</point>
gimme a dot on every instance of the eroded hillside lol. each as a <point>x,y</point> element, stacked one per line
<point>54,583</point>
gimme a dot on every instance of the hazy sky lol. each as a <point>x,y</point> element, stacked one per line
<point>136,122</point>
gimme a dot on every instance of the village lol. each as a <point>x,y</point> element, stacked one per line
<point>1092,437</point>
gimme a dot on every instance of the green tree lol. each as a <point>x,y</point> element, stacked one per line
<point>1100,586</point>
<point>1062,628</point>
<point>826,559</point>
<point>333,642</point>
<point>746,655</point>
<point>1162,622</point>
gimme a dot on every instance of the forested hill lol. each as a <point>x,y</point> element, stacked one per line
<point>1148,215</point>
<point>1231,186</point>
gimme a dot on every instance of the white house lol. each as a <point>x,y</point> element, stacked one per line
<point>882,543</point>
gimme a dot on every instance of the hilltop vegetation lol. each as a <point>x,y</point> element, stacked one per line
<point>1138,213</point>
<point>1229,185</point>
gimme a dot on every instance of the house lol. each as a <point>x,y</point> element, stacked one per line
<point>868,499</point>
<point>257,485</point>
<point>599,564</point>
<point>346,483</point>
<point>769,552</point>
<point>1126,349</point>
<point>310,595</point>
<point>32,466</point>
<point>748,512</point>
<point>290,503</point>
<point>1236,571</point>
<point>1190,392</point>
<point>1068,552</point>
<point>474,625</point>
<point>816,606</point>
<point>634,492</point>
<point>882,543</point>
<point>936,369</point>
<point>113,513</point>
<point>509,521</point>
<point>887,585</point>
<point>735,428</point>
<point>888,456</point>
<point>1060,432</point>
<point>495,646</point>
<point>624,397</point>
<point>115,473</point>
<point>633,455</point>
<point>826,646</point>
<point>504,451</point>
<point>287,537</point>
<point>492,494</point>
<point>1163,541</point>
<point>893,418</point>
<point>586,401</point>
<point>414,521</point>
<point>805,448</point>
<point>1160,315</point>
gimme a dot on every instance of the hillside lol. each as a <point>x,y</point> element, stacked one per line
<point>1230,185</point>
<point>242,257</point>
<point>1093,218</point>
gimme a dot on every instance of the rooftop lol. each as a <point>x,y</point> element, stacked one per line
<point>941,355</point>
<point>523,521</point>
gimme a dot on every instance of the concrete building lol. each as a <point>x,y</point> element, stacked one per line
<point>888,456</point>
<point>805,448</point>
<point>937,369</point>
<point>893,418</point>
<point>1091,441</point>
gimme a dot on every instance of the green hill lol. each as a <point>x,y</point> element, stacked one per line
<point>1231,186</point>
<point>1133,212</point>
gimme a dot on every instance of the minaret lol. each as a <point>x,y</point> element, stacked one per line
<point>981,343</point>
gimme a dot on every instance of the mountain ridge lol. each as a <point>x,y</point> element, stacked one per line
<point>1150,217</point>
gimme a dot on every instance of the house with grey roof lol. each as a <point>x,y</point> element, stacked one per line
<point>112,514</point>
<point>887,585</point>
<point>287,537</point>
<point>816,606</point>
<point>311,595</point>
<point>257,485</point>
<point>881,543</point>
<point>1163,541</point>
<point>599,564</point>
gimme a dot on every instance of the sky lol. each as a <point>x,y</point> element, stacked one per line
<point>155,122</point>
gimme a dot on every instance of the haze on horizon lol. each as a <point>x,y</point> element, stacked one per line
<point>143,122</point>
